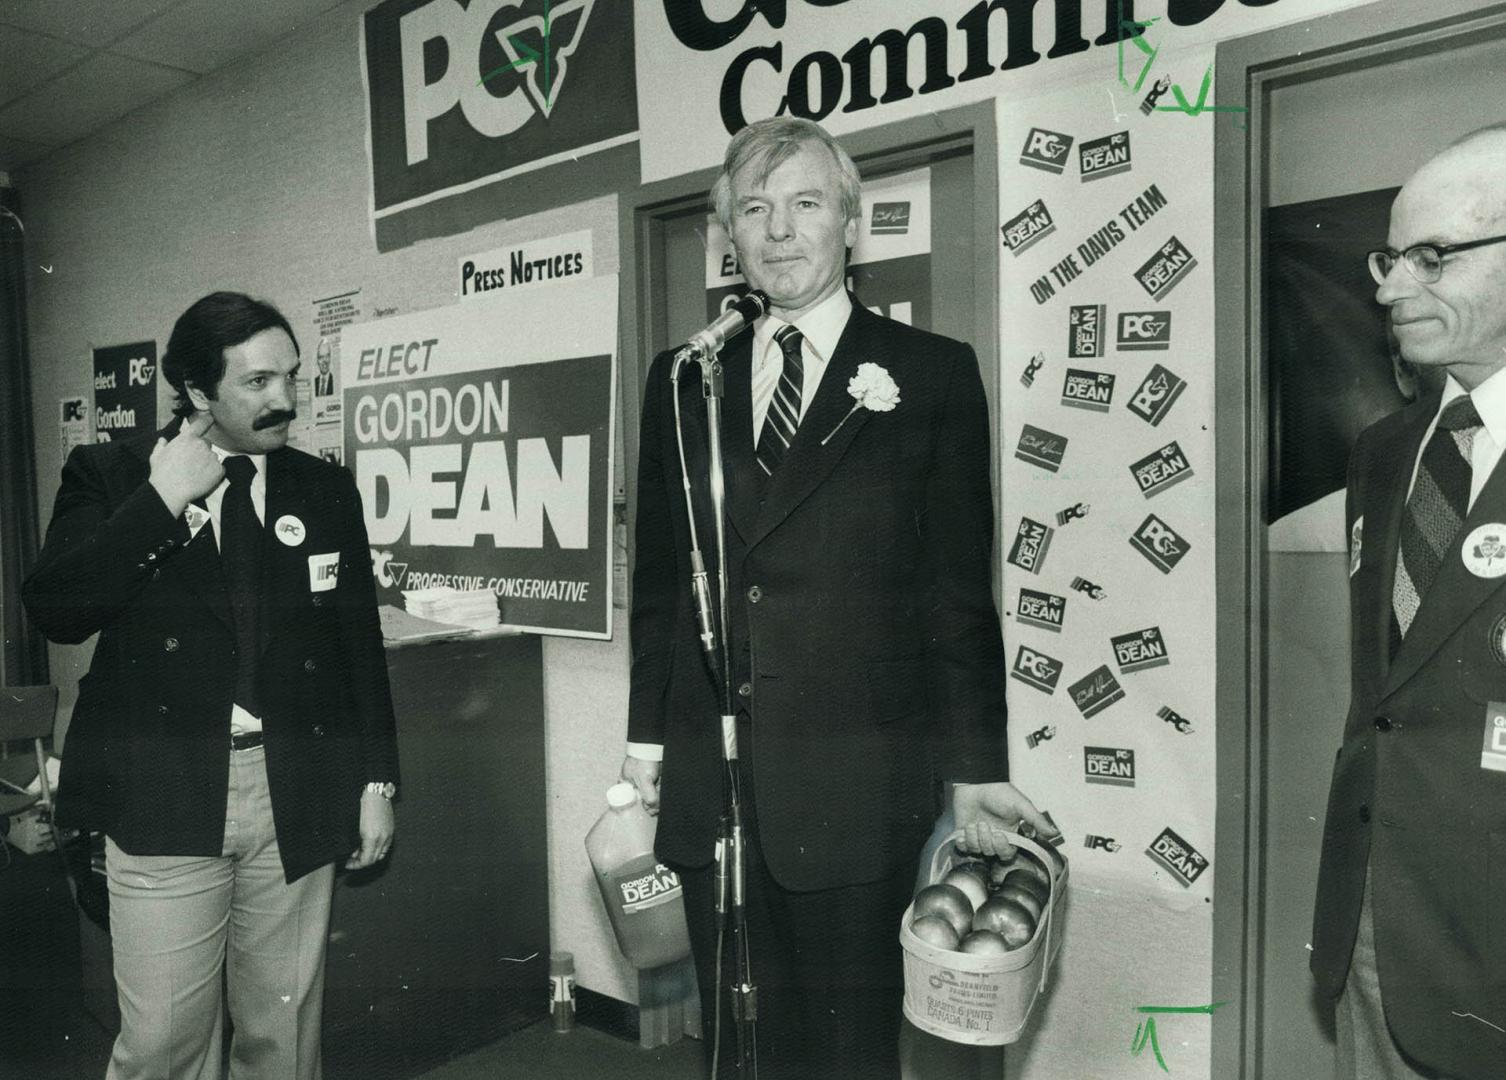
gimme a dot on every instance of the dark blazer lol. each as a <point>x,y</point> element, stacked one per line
<point>1409,796</point>
<point>147,754</point>
<point>865,641</point>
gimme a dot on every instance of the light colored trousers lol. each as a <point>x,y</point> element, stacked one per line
<point>1364,1047</point>
<point>178,922</point>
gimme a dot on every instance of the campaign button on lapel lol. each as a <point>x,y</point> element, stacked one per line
<point>196,517</point>
<point>1484,550</point>
<point>290,530</point>
<point>1498,639</point>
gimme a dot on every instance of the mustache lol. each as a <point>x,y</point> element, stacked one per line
<point>272,419</point>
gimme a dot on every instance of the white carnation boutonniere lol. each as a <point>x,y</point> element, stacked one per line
<point>871,388</point>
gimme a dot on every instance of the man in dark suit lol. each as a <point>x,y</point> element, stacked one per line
<point>867,651</point>
<point>234,736</point>
<point>324,378</point>
<point>1409,931</point>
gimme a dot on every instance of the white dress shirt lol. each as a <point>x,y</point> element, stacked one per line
<point>241,722</point>
<point>1490,403</point>
<point>820,329</point>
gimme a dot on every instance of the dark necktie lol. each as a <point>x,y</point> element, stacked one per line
<point>784,407</point>
<point>241,557</point>
<point>1435,511</point>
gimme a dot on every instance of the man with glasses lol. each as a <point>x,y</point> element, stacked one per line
<point>1409,931</point>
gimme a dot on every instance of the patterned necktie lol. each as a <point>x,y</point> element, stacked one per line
<point>241,558</point>
<point>784,407</point>
<point>1436,510</point>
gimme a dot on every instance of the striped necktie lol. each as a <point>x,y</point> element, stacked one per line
<point>783,417</point>
<point>1436,510</point>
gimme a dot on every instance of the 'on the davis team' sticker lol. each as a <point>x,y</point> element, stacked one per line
<point>324,571</point>
<point>1484,550</point>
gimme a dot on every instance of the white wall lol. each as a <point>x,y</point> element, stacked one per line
<point>255,179</point>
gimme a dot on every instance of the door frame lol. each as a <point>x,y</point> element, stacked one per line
<point>1248,70</point>
<point>889,148</point>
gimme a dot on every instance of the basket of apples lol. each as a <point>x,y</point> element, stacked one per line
<point>979,939</point>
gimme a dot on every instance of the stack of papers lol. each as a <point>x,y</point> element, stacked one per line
<point>475,608</point>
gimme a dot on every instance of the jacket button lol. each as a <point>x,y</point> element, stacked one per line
<point>318,601</point>
<point>170,644</point>
<point>317,729</point>
<point>755,594</point>
<point>163,710</point>
<point>745,690</point>
<point>309,665</point>
<point>1365,812</point>
<point>1382,723</point>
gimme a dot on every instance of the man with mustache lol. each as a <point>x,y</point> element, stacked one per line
<point>868,655</point>
<point>234,736</point>
<point>1409,934</point>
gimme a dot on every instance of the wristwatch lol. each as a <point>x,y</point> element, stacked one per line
<point>385,788</point>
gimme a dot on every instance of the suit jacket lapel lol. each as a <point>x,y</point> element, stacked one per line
<point>810,460</point>
<point>737,436</point>
<point>197,560</point>
<point>283,565</point>
<point>1382,512</point>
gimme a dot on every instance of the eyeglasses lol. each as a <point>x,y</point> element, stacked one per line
<point>1424,261</point>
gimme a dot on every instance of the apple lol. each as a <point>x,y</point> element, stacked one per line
<point>1014,889</point>
<point>998,869</point>
<point>1027,879</point>
<point>948,901</point>
<point>1030,862</point>
<point>1006,918</point>
<point>934,930</point>
<point>985,942</point>
<point>972,885</point>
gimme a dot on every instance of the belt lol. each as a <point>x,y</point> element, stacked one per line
<point>248,741</point>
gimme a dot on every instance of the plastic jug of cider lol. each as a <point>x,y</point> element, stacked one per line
<point>642,895</point>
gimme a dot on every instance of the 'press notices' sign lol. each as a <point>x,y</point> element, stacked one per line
<point>539,262</point>
<point>481,438</point>
<point>460,94</point>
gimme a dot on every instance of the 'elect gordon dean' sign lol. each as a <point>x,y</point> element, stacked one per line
<point>481,440</point>
<point>461,93</point>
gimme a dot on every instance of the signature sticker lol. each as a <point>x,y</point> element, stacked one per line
<point>324,571</point>
<point>1484,550</point>
<point>290,530</point>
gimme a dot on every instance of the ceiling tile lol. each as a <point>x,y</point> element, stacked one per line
<point>95,23</point>
<point>203,35</point>
<point>15,153</point>
<point>98,91</point>
<point>27,59</point>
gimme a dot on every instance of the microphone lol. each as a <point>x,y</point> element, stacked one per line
<point>730,323</point>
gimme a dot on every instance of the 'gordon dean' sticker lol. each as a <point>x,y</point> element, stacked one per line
<point>324,571</point>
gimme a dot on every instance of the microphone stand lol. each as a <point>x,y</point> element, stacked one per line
<point>731,855</point>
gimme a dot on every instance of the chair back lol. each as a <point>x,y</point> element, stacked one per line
<point>27,712</point>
